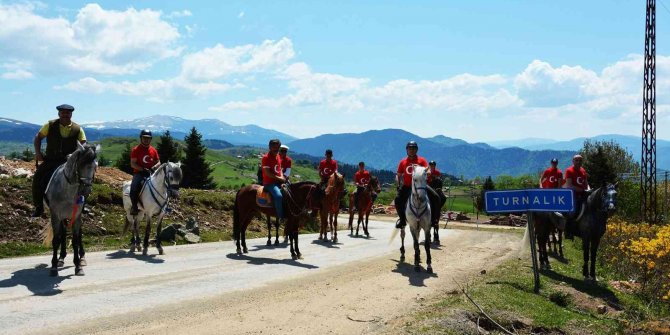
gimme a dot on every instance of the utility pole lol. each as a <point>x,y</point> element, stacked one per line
<point>648,158</point>
<point>665,196</point>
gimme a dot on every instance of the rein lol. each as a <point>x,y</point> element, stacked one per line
<point>154,191</point>
<point>304,209</point>
<point>414,209</point>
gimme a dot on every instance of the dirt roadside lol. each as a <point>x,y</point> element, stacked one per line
<point>369,297</point>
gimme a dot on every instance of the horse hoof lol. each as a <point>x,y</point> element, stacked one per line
<point>417,268</point>
<point>277,242</point>
<point>294,256</point>
<point>145,252</point>
<point>79,272</point>
<point>82,262</point>
<point>245,250</point>
<point>132,249</point>
<point>402,258</point>
<point>429,270</point>
<point>53,273</point>
<point>61,263</point>
<point>161,252</point>
<point>300,256</point>
<point>335,240</point>
<point>548,267</point>
<point>239,252</point>
<point>268,243</point>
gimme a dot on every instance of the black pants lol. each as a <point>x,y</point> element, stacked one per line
<point>571,223</point>
<point>359,189</point>
<point>41,180</point>
<point>136,186</point>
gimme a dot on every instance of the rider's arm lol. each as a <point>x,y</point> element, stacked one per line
<point>268,172</point>
<point>37,143</point>
<point>287,172</point>
<point>134,165</point>
<point>82,136</point>
<point>398,179</point>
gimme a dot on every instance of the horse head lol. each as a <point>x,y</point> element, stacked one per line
<point>419,183</point>
<point>172,177</point>
<point>81,166</point>
<point>374,185</point>
<point>609,198</point>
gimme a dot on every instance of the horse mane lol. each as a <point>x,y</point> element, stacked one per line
<point>301,183</point>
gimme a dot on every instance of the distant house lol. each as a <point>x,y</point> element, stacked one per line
<point>239,156</point>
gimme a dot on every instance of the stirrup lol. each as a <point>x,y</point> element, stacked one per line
<point>399,224</point>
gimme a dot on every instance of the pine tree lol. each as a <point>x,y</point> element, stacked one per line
<point>488,186</point>
<point>28,155</point>
<point>196,172</point>
<point>123,162</point>
<point>168,149</point>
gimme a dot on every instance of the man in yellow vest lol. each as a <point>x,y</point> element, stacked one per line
<point>62,136</point>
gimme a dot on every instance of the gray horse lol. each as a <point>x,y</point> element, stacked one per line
<point>154,198</point>
<point>592,224</point>
<point>545,223</point>
<point>70,183</point>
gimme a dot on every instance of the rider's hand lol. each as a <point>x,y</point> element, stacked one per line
<point>39,157</point>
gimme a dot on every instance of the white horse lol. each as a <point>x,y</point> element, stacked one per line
<point>418,214</point>
<point>154,198</point>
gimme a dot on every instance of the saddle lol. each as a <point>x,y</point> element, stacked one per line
<point>263,199</point>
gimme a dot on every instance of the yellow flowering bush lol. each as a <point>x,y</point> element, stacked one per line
<point>641,252</point>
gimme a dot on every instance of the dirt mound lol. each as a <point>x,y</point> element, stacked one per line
<point>111,176</point>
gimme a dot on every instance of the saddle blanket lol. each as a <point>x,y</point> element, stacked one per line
<point>263,199</point>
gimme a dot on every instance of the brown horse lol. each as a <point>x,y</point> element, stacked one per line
<point>364,205</point>
<point>330,206</point>
<point>299,200</point>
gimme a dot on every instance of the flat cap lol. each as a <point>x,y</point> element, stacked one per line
<point>65,107</point>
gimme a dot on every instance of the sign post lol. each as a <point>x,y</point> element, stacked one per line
<point>530,201</point>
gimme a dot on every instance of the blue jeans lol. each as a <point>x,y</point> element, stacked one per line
<point>275,191</point>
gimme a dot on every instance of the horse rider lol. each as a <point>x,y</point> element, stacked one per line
<point>327,167</point>
<point>273,177</point>
<point>552,177</point>
<point>286,161</point>
<point>361,180</point>
<point>576,179</point>
<point>435,182</point>
<point>62,135</point>
<point>144,160</point>
<point>404,179</point>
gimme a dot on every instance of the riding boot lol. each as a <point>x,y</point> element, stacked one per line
<point>133,208</point>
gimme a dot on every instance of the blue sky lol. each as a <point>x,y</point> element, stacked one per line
<point>476,70</point>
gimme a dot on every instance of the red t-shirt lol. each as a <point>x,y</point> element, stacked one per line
<point>146,157</point>
<point>274,163</point>
<point>406,167</point>
<point>362,178</point>
<point>286,163</point>
<point>578,177</point>
<point>552,178</point>
<point>434,173</point>
<point>326,168</point>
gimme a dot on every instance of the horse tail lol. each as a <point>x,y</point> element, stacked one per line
<point>236,218</point>
<point>393,235</point>
<point>525,243</point>
<point>47,234</point>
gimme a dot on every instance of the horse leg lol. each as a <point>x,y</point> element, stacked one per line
<point>323,215</point>
<point>542,240</point>
<point>365,227</point>
<point>426,244</point>
<point>244,241</point>
<point>359,221</point>
<point>56,225</point>
<point>82,252</point>
<point>436,234</point>
<point>159,227</point>
<point>560,244</point>
<point>594,250</point>
<point>63,250</point>
<point>276,231</point>
<point>76,242</point>
<point>269,222</point>
<point>334,233</point>
<point>417,250</point>
<point>291,243</point>
<point>147,232</point>
<point>135,239</point>
<point>350,226</point>
<point>297,249</point>
<point>402,244</point>
<point>585,248</point>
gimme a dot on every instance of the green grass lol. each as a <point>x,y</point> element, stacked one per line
<point>506,293</point>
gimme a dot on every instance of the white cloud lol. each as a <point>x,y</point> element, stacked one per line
<point>178,14</point>
<point>240,15</point>
<point>219,62</point>
<point>98,41</point>
<point>17,74</point>
<point>154,90</point>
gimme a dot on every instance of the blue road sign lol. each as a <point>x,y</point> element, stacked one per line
<point>534,200</point>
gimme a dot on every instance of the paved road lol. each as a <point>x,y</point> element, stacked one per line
<point>118,282</point>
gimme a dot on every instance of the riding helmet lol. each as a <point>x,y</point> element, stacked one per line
<point>554,161</point>
<point>145,133</point>
<point>432,163</point>
<point>412,144</point>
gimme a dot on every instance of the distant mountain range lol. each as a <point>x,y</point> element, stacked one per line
<point>13,130</point>
<point>383,149</point>
<point>380,149</point>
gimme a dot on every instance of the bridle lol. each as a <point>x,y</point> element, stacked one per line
<point>607,199</point>
<point>291,198</point>
<point>420,210</point>
<point>78,179</point>
<point>170,189</point>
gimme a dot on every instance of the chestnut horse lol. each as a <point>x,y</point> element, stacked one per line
<point>299,200</point>
<point>330,206</point>
<point>364,205</point>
